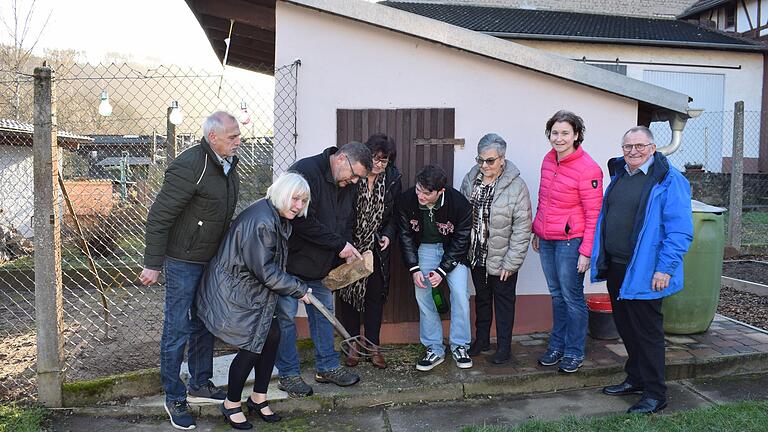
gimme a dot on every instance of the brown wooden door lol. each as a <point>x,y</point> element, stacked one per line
<point>422,136</point>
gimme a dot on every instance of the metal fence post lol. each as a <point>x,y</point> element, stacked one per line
<point>170,139</point>
<point>48,301</point>
<point>737,178</point>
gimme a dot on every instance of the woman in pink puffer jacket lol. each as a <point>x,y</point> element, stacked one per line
<point>570,195</point>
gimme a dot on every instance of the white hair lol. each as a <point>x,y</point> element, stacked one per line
<point>215,122</point>
<point>285,188</point>
<point>647,132</point>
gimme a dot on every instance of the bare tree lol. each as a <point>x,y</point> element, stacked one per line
<point>18,24</point>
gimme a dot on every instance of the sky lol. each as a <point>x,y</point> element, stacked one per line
<point>149,31</point>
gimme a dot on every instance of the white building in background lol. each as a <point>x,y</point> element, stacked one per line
<point>16,172</point>
<point>714,68</point>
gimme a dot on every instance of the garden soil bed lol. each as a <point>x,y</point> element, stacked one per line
<point>753,271</point>
<point>743,306</point>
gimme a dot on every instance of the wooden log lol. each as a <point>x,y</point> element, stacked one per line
<point>348,273</point>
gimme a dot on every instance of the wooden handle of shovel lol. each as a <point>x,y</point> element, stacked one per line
<point>329,316</point>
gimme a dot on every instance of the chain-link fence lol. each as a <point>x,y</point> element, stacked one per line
<point>111,169</point>
<point>17,289</point>
<point>705,155</point>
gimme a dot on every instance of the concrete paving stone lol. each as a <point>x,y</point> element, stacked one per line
<point>705,353</point>
<point>761,347</point>
<point>605,362</point>
<point>680,339</point>
<point>699,346</point>
<point>750,341</point>
<point>500,411</point>
<point>677,355</point>
<point>745,349</point>
<point>372,420</point>
<point>732,388</point>
<point>726,350</point>
<point>619,350</point>
<point>760,337</point>
<point>727,343</point>
<point>742,338</point>
<point>532,342</point>
<point>709,340</point>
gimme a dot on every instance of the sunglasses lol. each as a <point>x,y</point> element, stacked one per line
<point>490,161</point>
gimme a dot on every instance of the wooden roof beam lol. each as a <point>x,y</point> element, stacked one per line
<point>221,26</point>
<point>262,17</point>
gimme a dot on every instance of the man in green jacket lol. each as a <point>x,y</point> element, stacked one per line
<point>185,225</point>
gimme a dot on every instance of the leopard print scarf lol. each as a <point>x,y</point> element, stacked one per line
<point>370,211</point>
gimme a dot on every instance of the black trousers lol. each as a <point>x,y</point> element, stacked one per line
<point>491,293</point>
<point>262,363</point>
<point>641,326</point>
<point>373,302</point>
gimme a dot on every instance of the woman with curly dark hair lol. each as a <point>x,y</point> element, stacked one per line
<point>570,195</point>
<point>375,229</point>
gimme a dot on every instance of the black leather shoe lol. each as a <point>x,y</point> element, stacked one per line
<point>622,389</point>
<point>269,418</point>
<point>501,356</point>
<point>647,406</point>
<point>476,347</point>
<point>228,412</point>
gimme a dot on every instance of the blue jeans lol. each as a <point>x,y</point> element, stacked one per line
<point>559,259</point>
<point>181,326</point>
<point>321,331</point>
<point>430,325</point>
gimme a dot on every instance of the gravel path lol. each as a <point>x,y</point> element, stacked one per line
<point>745,307</point>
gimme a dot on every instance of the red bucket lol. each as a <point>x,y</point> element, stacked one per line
<point>601,325</point>
<point>599,303</point>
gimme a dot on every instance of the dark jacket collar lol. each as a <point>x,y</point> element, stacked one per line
<point>658,173</point>
<point>283,223</point>
<point>206,146</point>
<point>325,164</point>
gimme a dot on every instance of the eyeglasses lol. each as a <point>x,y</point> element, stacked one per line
<point>490,161</point>
<point>381,161</point>
<point>639,147</point>
<point>354,174</point>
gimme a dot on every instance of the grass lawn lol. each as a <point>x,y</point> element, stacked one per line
<point>18,419</point>
<point>745,416</point>
<point>754,227</point>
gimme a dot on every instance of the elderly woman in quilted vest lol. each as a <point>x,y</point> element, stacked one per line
<point>570,195</point>
<point>501,228</point>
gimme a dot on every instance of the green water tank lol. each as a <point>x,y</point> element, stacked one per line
<point>693,309</point>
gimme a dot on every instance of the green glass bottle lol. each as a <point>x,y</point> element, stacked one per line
<point>440,301</point>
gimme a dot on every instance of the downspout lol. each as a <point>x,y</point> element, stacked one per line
<point>677,124</point>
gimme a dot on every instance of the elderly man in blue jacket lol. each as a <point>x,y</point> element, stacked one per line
<point>644,229</point>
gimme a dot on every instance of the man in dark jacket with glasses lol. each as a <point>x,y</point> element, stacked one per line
<point>319,243</point>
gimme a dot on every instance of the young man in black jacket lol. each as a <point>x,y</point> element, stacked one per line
<point>435,223</point>
<point>185,225</point>
<point>319,243</point>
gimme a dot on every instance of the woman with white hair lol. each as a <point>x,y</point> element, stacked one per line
<point>501,228</point>
<point>240,289</point>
